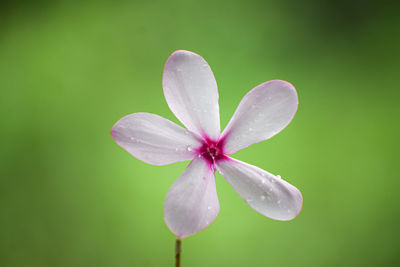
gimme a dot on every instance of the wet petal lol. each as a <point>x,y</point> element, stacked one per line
<point>264,192</point>
<point>191,93</point>
<point>192,202</point>
<point>261,114</point>
<point>154,139</point>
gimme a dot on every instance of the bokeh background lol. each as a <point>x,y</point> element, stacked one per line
<point>69,196</point>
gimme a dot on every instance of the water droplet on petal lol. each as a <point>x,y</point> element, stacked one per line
<point>209,207</point>
<point>189,148</point>
<point>279,177</point>
<point>262,197</point>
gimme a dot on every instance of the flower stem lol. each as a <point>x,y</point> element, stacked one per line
<point>178,249</point>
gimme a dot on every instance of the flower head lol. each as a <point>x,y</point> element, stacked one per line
<point>192,95</point>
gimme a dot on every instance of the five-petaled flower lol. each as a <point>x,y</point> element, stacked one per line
<point>192,95</point>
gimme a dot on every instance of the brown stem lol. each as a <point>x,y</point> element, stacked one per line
<point>178,249</point>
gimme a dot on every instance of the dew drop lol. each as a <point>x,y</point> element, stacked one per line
<point>262,197</point>
<point>189,148</point>
<point>278,202</point>
<point>209,207</point>
<point>279,177</point>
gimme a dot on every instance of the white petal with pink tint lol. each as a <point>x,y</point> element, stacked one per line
<point>192,202</point>
<point>264,192</point>
<point>262,113</point>
<point>191,93</point>
<point>154,139</point>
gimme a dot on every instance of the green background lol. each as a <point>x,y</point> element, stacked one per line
<point>69,196</point>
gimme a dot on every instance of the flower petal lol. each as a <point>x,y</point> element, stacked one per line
<point>192,202</point>
<point>191,93</point>
<point>154,139</point>
<point>261,114</point>
<point>264,192</point>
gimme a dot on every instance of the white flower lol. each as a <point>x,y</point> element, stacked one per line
<point>192,95</point>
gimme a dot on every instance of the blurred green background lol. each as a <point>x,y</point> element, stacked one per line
<point>69,196</point>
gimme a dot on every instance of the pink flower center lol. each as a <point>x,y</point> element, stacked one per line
<point>211,151</point>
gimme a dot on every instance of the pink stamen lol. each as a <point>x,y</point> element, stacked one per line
<point>211,151</point>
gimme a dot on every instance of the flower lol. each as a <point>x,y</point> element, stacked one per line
<point>191,92</point>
